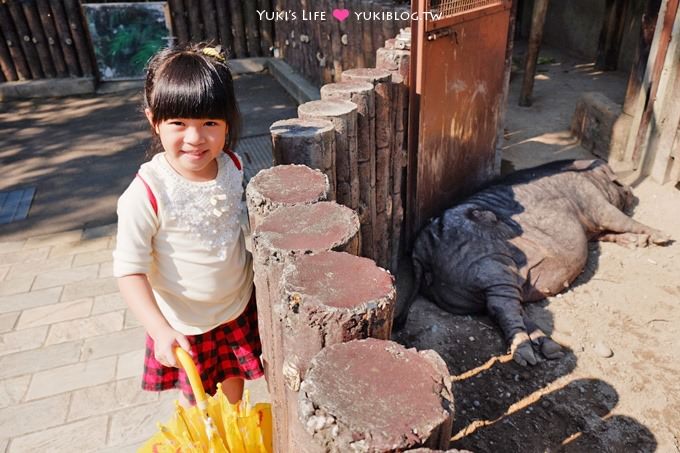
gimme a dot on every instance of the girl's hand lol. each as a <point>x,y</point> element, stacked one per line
<point>165,343</point>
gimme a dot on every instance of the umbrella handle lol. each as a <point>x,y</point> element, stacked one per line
<point>189,367</point>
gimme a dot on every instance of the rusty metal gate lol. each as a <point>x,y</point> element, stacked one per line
<point>457,95</point>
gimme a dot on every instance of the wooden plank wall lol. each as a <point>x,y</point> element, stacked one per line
<point>322,50</point>
<point>49,38</point>
<point>43,39</point>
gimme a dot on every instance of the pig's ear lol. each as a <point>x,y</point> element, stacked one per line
<point>483,216</point>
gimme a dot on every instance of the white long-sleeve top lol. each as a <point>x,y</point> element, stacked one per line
<point>192,250</point>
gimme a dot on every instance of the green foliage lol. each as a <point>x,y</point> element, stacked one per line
<point>125,37</point>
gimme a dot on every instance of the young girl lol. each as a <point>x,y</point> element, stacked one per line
<point>180,257</point>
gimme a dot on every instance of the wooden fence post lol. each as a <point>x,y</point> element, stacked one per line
<point>52,37</point>
<point>38,37</point>
<point>384,138</point>
<point>29,50</point>
<point>328,298</point>
<point>343,115</point>
<point>285,233</point>
<point>535,38</point>
<point>363,171</point>
<point>283,185</point>
<point>309,142</point>
<point>83,46</point>
<point>66,39</point>
<point>342,399</point>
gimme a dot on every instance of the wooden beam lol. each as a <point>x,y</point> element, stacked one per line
<point>535,38</point>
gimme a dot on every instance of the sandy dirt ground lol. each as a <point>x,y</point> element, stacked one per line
<point>618,388</point>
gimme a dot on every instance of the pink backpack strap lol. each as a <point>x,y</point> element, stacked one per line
<point>150,195</point>
<point>231,154</point>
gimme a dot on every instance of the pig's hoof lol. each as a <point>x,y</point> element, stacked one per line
<point>660,238</point>
<point>522,351</point>
<point>551,350</point>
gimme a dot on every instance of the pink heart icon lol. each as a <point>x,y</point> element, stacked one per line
<point>341,14</point>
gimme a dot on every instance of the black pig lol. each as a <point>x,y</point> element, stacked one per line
<point>523,238</point>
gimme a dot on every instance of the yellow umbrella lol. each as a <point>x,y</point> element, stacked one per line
<point>213,425</point>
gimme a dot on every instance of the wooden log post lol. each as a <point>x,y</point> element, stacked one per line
<point>368,374</point>
<point>179,21</point>
<point>195,23</point>
<point>224,26</point>
<point>13,44</point>
<point>343,115</point>
<point>27,45</point>
<point>535,38</point>
<point>252,28</point>
<point>308,142</point>
<point>397,62</point>
<point>52,38</point>
<point>285,233</point>
<point>266,28</point>
<point>325,55</point>
<point>384,139</point>
<point>6,64</point>
<point>74,14</point>
<point>65,38</point>
<point>611,34</point>
<point>237,28</point>
<point>637,73</point>
<point>210,32</point>
<point>328,298</point>
<point>38,37</point>
<point>367,35</point>
<point>362,171</point>
<point>283,185</point>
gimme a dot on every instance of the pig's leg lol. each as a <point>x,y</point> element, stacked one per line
<point>630,240</point>
<point>546,345</point>
<point>503,302</point>
<point>609,218</point>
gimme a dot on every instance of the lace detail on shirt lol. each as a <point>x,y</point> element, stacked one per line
<point>209,210</point>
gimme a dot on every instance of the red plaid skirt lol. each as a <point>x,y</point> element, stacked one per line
<point>227,351</point>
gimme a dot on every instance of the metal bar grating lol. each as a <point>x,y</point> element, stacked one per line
<point>448,8</point>
<point>256,153</point>
<point>14,205</point>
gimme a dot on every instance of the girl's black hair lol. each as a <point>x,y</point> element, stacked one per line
<point>190,82</point>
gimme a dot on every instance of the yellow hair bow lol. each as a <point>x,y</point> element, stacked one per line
<point>213,52</point>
